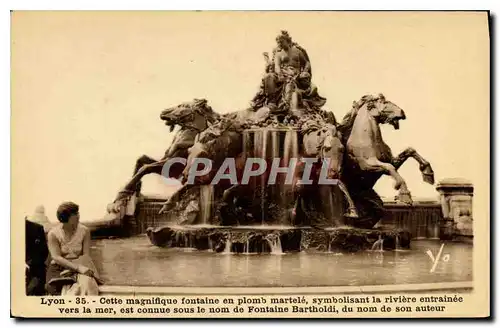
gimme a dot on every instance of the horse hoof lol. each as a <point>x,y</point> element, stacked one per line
<point>428,178</point>
<point>427,173</point>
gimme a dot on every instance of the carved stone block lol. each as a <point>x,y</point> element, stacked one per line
<point>456,201</point>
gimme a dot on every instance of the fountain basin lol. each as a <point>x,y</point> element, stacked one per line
<point>277,239</point>
<point>135,262</point>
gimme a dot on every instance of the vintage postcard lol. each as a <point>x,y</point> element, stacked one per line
<point>250,164</point>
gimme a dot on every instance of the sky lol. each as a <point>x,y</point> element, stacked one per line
<point>88,88</point>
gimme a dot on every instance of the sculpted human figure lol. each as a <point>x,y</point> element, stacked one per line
<point>287,82</point>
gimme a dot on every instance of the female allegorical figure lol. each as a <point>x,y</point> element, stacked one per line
<point>71,270</point>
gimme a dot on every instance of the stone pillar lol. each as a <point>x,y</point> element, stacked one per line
<point>456,202</point>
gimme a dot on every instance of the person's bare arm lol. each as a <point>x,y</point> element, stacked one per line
<point>86,243</point>
<point>277,64</point>
<point>86,252</point>
<point>267,60</point>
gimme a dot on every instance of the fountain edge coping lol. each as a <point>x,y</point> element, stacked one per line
<point>409,288</point>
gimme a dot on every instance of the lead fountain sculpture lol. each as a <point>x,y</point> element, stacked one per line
<point>285,126</point>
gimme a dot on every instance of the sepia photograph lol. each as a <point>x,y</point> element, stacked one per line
<point>250,164</point>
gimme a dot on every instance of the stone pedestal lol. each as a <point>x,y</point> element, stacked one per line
<point>456,201</point>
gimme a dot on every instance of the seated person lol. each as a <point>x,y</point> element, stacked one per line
<point>287,82</point>
<point>36,255</point>
<point>71,271</point>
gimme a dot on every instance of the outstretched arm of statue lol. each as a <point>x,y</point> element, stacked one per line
<point>269,63</point>
<point>277,65</point>
<point>266,58</point>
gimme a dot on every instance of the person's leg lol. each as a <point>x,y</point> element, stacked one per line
<point>87,285</point>
<point>32,287</point>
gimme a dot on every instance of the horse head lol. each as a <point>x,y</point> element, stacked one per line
<point>332,151</point>
<point>377,107</point>
<point>194,114</point>
<point>386,112</point>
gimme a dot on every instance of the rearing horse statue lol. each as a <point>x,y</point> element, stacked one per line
<point>192,117</point>
<point>368,157</point>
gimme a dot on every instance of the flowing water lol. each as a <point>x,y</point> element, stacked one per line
<point>260,150</point>
<point>378,245</point>
<point>275,244</point>
<point>270,144</point>
<point>206,203</point>
<point>290,151</point>
<point>291,145</point>
<point>277,190</point>
<point>134,261</point>
<point>247,247</point>
<point>227,249</point>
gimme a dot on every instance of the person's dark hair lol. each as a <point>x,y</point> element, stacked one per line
<point>66,210</point>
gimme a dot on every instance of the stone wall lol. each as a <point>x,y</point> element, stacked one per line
<point>147,214</point>
<point>422,220</point>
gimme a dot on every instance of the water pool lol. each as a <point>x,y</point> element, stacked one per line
<point>135,261</point>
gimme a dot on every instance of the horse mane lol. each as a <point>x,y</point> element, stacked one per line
<point>210,114</point>
<point>345,127</point>
<point>226,124</point>
<point>222,146</point>
<point>201,105</point>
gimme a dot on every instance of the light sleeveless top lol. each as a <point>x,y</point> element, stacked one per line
<point>70,248</point>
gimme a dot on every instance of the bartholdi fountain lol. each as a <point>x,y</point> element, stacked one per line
<point>285,124</point>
